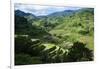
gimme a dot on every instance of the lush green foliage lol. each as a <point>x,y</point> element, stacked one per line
<point>58,37</point>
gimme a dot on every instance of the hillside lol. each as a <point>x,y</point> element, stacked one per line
<point>78,27</point>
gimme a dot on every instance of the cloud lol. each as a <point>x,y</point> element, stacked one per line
<point>40,9</point>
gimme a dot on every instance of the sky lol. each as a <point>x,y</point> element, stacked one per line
<point>41,10</point>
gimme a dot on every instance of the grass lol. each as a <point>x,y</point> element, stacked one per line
<point>73,36</point>
<point>89,40</point>
<point>48,46</point>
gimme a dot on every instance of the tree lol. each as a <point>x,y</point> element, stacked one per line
<point>79,52</point>
<point>23,59</point>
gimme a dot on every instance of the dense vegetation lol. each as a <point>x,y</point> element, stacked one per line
<point>65,36</point>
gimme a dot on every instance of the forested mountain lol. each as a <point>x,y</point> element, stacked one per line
<point>65,36</point>
<point>21,13</point>
<point>62,13</point>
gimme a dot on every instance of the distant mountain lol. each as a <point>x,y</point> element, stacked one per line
<point>88,10</point>
<point>21,13</point>
<point>55,14</point>
<point>29,16</point>
<point>62,13</point>
<point>40,17</point>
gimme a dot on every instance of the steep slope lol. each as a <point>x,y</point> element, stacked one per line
<point>78,27</point>
<point>52,20</point>
<point>29,16</point>
<point>69,26</point>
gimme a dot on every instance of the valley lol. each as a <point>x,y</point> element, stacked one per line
<point>65,36</point>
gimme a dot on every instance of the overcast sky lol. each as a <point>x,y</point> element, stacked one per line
<point>39,10</point>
